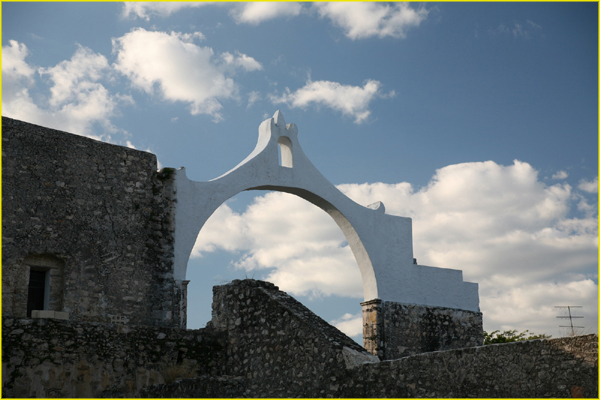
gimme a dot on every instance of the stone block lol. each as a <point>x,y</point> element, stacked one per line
<point>42,314</point>
<point>49,314</point>
<point>61,315</point>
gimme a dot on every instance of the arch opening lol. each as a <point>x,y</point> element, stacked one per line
<point>266,234</point>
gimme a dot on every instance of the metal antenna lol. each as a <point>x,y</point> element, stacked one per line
<point>570,318</point>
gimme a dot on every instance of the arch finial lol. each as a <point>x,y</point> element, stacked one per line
<point>278,117</point>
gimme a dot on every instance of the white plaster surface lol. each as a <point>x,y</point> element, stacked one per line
<point>381,243</point>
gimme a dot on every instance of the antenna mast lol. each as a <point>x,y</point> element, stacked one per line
<point>570,318</point>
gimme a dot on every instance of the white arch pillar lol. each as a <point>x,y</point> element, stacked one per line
<point>381,243</point>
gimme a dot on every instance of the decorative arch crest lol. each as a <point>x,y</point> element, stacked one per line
<point>381,243</point>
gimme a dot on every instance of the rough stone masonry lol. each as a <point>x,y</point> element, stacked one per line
<point>96,219</point>
<point>92,306</point>
<point>263,343</point>
<point>95,223</point>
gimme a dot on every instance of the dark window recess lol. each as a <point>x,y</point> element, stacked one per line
<point>37,287</point>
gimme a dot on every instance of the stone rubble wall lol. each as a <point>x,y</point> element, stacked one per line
<point>54,358</point>
<point>263,343</point>
<point>562,367</point>
<point>279,346</point>
<point>98,216</point>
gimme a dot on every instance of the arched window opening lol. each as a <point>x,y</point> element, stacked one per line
<point>286,158</point>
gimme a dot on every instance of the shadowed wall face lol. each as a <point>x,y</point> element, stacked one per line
<point>263,343</point>
<point>95,219</point>
<point>392,330</point>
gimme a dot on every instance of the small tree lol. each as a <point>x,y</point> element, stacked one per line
<point>511,336</point>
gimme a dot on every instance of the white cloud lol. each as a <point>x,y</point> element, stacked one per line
<point>560,175</point>
<point>145,10</point>
<point>501,225</point>
<point>350,100</point>
<point>588,186</point>
<point>533,306</point>
<point>72,77</point>
<point>256,12</point>
<point>287,247</point>
<point>13,61</point>
<point>77,99</point>
<point>351,325</point>
<point>242,61</point>
<point>363,19</point>
<point>17,77</point>
<point>172,65</point>
<point>517,30</point>
<point>358,20</point>
<point>253,97</point>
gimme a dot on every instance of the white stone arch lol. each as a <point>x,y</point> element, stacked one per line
<point>381,243</point>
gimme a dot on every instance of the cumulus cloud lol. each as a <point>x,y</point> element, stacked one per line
<point>256,12</point>
<point>17,77</point>
<point>514,235</point>
<point>77,99</point>
<point>358,20</point>
<point>145,10</point>
<point>350,100</point>
<point>350,324</point>
<point>13,61</point>
<point>172,65</point>
<point>242,61</point>
<point>72,77</point>
<point>588,186</point>
<point>533,306</point>
<point>363,19</point>
<point>285,247</point>
<point>560,175</point>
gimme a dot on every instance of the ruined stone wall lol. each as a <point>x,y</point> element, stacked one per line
<point>98,217</point>
<point>392,330</point>
<point>263,343</point>
<point>54,358</point>
<point>275,349</point>
<point>280,347</point>
<point>563,367</point>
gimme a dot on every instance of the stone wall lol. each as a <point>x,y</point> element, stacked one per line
<point>563,367</point>
<point>97,217</point>
<point>279,346</point>
<point>54,358</point>
<point>263,343</point>
<point>392,330</point>
<point>97,220</point>
<point>555,368</point>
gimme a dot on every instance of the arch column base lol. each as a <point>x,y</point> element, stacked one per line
<point>392,330</point>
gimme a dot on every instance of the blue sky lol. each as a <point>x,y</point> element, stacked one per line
<point>477,120</point>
